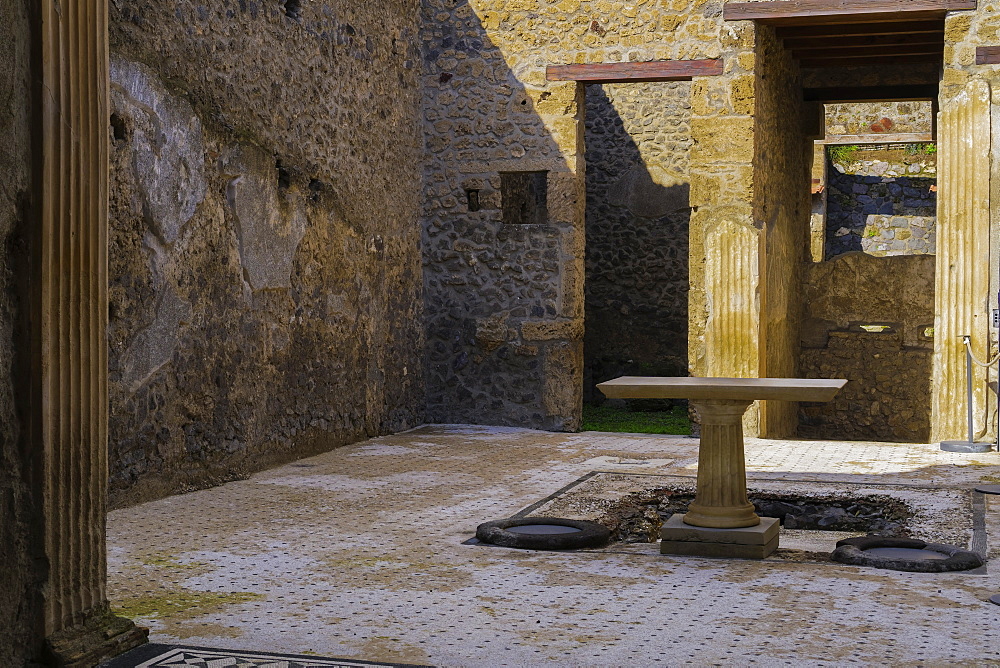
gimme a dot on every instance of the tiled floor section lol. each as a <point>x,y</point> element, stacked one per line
<point>358,553</point>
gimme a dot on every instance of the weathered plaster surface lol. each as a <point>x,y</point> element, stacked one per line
<point>265,271</point>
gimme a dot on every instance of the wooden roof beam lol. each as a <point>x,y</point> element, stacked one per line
<point>657,70</point>
<point>863,30</point>
<point>988,55</point>
<point>812,43</point>
<point>906,93</point>
<point>811,12</point>
<point>820,63</point>
<point>871,51</point>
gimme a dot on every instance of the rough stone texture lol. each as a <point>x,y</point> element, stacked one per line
<point>265,269</point>
<point>899,235</point>
<point>860,118</point>
<point>638,139</point>
<point>20,544</point>
<point>489,109</point>
<point>881,214</point>
<point>781,210</point>
<point>888,393</point>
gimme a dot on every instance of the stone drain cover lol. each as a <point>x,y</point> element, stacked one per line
<point>905,554</point>
<point>543,533</point>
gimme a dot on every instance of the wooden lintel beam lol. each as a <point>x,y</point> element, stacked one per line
<point>657,70</point>
<point>988,55</point>
<point>812,44</point>
<point>842,31</point>
<point>871,93</point>
<point>840,11</point>
<point>874,138</point>
<point>870,51</point>
<point>821,63</point>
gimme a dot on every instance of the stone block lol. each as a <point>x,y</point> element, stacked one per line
<point>722,139</point>
<point>675,530</point>
<point>730,550</point>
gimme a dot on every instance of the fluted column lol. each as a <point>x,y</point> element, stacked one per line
<point>721,499</point>
<point>961,290</point>
<point>68,314</point>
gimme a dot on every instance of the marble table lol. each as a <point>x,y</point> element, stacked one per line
<point>721,497</point>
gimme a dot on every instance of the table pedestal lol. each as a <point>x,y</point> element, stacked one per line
<point>721,521</point>
<point>721,499</point>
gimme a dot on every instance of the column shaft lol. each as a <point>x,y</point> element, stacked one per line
<point>721,500</point>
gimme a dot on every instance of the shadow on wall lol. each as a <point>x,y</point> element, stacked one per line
<point>501,277</point>
<point>637,146</point>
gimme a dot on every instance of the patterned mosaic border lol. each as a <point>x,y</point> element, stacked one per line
<point>165,656</point>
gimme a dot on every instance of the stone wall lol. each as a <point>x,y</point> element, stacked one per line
<point>781,209</point>
<point>874,209</point>
<point>863,118</point>
<point>264,252</point>
<point>888,365</point>
<point>505,302</point>
<point>638,142</point>
<point>22,577</point>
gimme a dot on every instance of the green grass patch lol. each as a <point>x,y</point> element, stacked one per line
<point>842,153</point>
<point>604,418</point>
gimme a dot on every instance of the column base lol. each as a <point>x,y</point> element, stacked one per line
<point>756,542</point>
<point>101,637</point>
<point>721,517</point>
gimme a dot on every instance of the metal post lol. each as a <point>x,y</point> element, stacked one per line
<point>969,445</point>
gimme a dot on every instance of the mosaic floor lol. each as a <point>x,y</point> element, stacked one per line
<point>361,553</point>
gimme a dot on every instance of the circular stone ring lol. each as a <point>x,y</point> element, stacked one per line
<point>904,554</point>
<point>543,533</point>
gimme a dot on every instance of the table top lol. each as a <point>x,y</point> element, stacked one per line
<point>778,389</point>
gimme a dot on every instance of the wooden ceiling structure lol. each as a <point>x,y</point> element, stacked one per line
<point>847,33</point>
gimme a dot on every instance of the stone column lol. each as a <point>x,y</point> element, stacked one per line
<point>721,500</point>
<point>962,276</point>
<point>67,312</point>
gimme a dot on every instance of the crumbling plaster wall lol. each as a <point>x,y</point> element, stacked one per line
<point>505,306</point>
<point>23,575</point>
<point>264,248</point>
<point>638,140</point>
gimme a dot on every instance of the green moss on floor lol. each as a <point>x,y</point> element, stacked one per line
<point>182,603</point>
<point>604,418</point>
